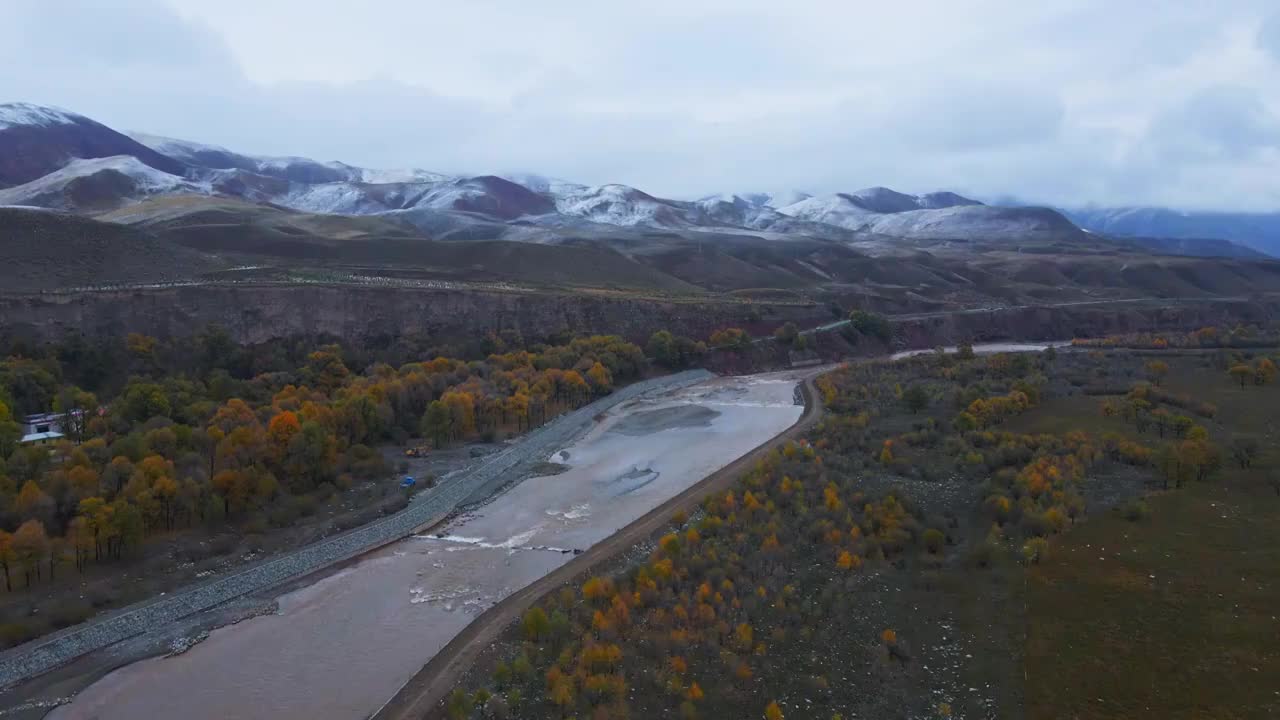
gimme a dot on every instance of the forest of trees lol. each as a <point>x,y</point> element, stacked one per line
<point>732,612</point>
<point>707,618</point>
<point>204,433</point>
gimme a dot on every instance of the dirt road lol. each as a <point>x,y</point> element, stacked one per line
<point>437,678</point>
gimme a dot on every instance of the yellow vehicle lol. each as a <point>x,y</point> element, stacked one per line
<point>414,452</point>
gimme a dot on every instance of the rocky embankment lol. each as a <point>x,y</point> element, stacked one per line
<point>41,655</point>
<point>255,312</point>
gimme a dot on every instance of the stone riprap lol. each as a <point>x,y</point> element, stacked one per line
<point>44,654</point>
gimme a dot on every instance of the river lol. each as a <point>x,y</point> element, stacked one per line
<point>341,647</point>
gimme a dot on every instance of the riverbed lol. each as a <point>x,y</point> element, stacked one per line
<point>338,649</point>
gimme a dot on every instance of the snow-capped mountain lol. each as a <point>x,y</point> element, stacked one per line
<point>759,199</point>
<point>99,184</point>
<point>36,140</point>
<point>297,169</point>
<point>1260,231</point>
<point>28,115</point>
<point>857,209</point>
<point>970,223</point>
<point>543,184</point>
<point>59,159</point>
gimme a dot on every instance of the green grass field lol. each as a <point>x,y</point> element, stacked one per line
<point>1176,615</point>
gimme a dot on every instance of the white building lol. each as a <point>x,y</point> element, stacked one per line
<point>42,429</point>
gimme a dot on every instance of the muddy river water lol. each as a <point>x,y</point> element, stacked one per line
<point>340,648</point>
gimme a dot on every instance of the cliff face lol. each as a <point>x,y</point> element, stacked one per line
<point>254,313</point>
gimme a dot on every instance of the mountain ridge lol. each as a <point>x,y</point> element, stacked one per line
<point>70,162</point>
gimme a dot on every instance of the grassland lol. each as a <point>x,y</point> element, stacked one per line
<point>1174,615</point>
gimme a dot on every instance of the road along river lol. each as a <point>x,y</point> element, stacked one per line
<point>988,348</point>
<point>338,649</point>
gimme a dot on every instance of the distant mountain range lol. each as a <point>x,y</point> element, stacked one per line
<point>1260,231</point>
<point>53,158</point>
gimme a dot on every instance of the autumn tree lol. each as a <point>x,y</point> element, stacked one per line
<point>871,324</point>
<point>437,423</point>
<point>773,712</point>
<point>916,398</point>
<point>1244,450</point>
<point>535,624</point>
<point>1242,373</point>
<point>1264,372</point>
<point>10,431</point>
<point>1156,371</point>
<point>30,545</point>
<point>7,558</point>
<point>600,378</point>
<point>325,369</point>
<point>733,339</point>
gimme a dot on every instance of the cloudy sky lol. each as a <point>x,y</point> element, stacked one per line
<point>1164,102</point>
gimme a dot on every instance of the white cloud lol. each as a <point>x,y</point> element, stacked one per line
<point>1067,101</point>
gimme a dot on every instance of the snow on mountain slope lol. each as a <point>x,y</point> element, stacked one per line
<point>759,199</point>
<point>855,210</point>
<point>394,175</point>
<point>840,210</point>
<point>298,169</point>
<point>487,195</point>
<point>543,184</point>
<point>36,140</point>
<point>197,155</point>
<point>884,200</point>
<point>50,154</point>
<point>977,223</point>
<point>339,198</point>
<point>1260,231</point>
<point>936,200</point>
<point>27,114</point>
<point>626,206</point>
<point>99,184</point>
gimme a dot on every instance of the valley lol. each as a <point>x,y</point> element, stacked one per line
<point>439,580</point>
<point>285,437</point>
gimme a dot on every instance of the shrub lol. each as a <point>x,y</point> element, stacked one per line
<point>1035,550</point>
<point>16,633</point>
<point>1136,510</point>
<point>934,539</point>
<point>307,505</point>
<point>255,524</point>
<point>283,515</point>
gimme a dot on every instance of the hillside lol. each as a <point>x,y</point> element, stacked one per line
<point>1260,231</point>
<point>43,250</point>
<point>37,140</point>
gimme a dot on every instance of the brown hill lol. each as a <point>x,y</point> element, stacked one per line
<point>44,250</point>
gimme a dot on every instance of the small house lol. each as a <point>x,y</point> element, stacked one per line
<point>42,429</point>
